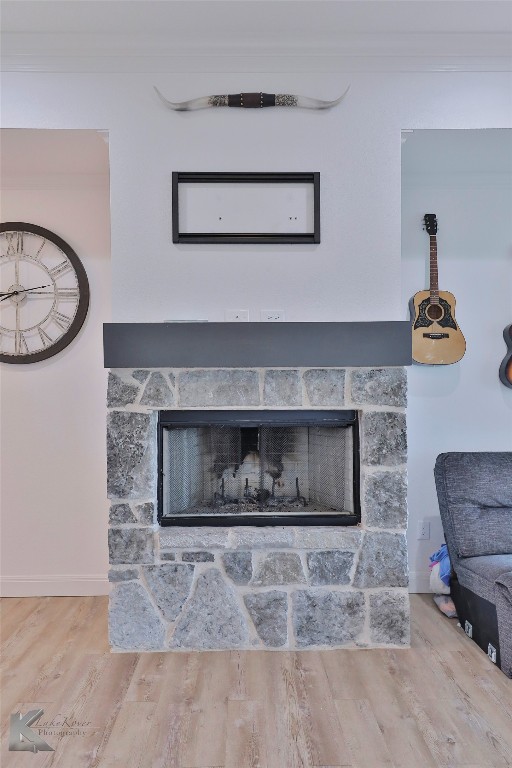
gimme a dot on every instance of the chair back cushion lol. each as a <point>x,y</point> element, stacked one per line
<point>475,499</point>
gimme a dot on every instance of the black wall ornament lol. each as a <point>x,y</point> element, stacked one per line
<point>506,363</point>
<point>251,101</point>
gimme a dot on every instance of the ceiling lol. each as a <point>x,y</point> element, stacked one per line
<point>164,35</point>
<point>256,19</point>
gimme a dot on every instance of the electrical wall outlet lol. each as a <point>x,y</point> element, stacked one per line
<point>272,315</point>
<point>236,315</point>
<point>424,530</point>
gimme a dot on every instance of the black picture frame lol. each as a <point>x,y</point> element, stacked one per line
<point>312,237</point>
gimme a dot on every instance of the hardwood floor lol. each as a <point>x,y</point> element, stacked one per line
<point>441,703</point>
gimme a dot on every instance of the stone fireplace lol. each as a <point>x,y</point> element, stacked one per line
<point>293,586</point>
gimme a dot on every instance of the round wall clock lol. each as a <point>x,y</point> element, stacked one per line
<point>44,293</point>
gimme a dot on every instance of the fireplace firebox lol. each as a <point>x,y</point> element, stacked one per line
<point>258,468</point>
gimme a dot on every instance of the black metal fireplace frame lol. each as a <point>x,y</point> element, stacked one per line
<point>252,418</point>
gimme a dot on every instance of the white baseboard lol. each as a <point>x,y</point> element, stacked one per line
<point>419,581</point>
<point>61,585</point>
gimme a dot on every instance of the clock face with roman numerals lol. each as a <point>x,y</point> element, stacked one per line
<point>44,293</point>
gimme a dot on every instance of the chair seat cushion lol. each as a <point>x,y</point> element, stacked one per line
<point>505,581</point>
<point>479,574</point>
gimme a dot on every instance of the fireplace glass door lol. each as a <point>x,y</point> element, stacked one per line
<point>258,468</point>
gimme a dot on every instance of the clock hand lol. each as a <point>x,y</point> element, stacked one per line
<point>25,290</point>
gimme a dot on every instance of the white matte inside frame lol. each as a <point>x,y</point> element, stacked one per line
<point>246,207</point>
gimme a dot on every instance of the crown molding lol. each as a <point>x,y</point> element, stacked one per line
<point>125,53</point>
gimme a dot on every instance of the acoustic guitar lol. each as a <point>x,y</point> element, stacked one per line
<point>436,337</point>
<point>506,364</point>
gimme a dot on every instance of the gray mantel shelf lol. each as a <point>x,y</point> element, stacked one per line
<point>257,345</point>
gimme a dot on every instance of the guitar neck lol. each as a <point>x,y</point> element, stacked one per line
<point>434,277</point>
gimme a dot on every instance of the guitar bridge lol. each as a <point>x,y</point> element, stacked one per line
<point>436,335</point>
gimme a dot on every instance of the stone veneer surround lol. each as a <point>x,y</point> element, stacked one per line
<point>287,587</point>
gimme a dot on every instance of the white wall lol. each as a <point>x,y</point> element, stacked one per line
<point>354,274</point>
<point>54,509</point>
<point>461,407</point>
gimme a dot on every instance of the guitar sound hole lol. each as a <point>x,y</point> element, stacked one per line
<point>434,312</point>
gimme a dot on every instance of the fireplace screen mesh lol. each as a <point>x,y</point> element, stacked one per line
<point>257,470</point>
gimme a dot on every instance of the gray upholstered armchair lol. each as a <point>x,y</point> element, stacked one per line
<point>475,500</point>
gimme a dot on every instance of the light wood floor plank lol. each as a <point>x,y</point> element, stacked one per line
<point>14,611</point>
<point>426,670</point>
<point>171,717</point>
<point>206,739</point>
<point>75,751</point>
<point>87,633</point>
<point>101,697</point>
<point>362,734</point>
<point>342,671</point>
<point>148,678</point>
<point>286,742</point>
<point>245,746</point>
<point>238,676</point>
<point>27,636</point>
<point>427,627</point>
<point>440,704</point>
<point>494,705</point>
<point>446,728</point>
<point>129,738</point>
<point>28,650</point>
<point>399,728</point>
<point>318,714</point>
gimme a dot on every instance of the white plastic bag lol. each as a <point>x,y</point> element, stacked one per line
<point>437,585</point>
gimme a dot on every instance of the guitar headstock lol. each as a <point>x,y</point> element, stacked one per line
<point>430,223</point>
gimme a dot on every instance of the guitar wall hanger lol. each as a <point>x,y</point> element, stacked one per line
<point>251,101</point>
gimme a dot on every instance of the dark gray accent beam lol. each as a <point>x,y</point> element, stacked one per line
<point>256,345</point>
